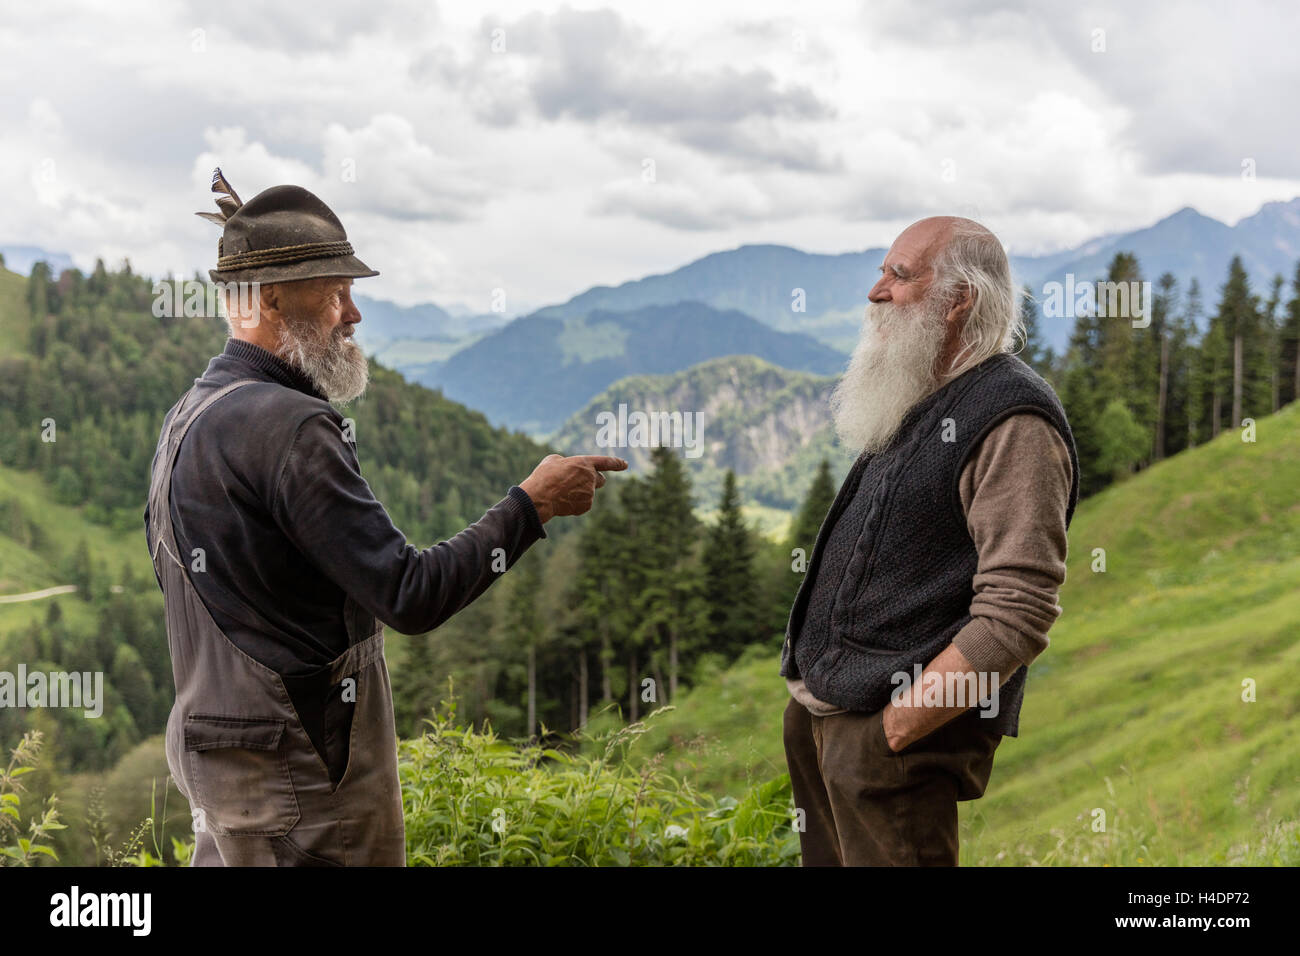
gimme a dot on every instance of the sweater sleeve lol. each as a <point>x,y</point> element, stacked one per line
<point>1014,490</point>
<point>324,505</point>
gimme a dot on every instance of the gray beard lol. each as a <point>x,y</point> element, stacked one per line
<point>334,363</point>
<point>892,369</point>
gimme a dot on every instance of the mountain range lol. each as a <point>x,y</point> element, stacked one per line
<point>512,374</point>
<point>414,338</point>
<point>762,280</point>
<point>796,309</point>
<point>536,371</point>
<point>770,425</point>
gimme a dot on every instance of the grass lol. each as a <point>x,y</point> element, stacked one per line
<point>24,569</point>
<point>1134,718</point>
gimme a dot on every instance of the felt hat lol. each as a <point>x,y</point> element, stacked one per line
<point>283,234</point>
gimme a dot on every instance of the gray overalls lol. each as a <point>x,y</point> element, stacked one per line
<point>259,792</point>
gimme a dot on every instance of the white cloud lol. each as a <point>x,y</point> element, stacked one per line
<point>824,126</point>
<point>398,176</point>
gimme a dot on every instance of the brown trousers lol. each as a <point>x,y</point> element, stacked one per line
<point>865,805</point>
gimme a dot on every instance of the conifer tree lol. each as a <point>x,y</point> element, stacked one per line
<point>808,520</point>
<point>670,600</point>
<point>1237,320</point>
<point>602,585</point>
<point>1291,343</point>
<point>803,530</point>
<point>1082,396</point>
<point>1181,338</point>
<point>1198,380</point>
<point>523,628</point>
<point>730,591</point>
<point>1216,367</point>
<point>1161,327</point>
<point>1265,373</point>
<point>1034,353</point>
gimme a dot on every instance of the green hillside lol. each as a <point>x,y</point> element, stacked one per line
<point>1136,708</point>
<point>34,548</point>
<point>770,425</point>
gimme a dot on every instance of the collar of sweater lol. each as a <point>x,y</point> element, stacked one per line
<point>274,366</point>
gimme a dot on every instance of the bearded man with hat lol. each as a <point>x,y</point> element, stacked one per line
<point>279,568</point>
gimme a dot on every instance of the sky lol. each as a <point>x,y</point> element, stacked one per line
<point>539,149</point>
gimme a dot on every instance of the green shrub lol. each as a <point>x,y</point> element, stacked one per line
<point>472,799</point>
<point>15,848</point>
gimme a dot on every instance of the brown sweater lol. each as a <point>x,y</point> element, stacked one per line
<point>1014,491</point>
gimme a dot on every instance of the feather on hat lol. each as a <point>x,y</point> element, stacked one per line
<point>228,203</point>
<point>283,234</point>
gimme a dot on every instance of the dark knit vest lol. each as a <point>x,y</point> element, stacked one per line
<point>898,558</point>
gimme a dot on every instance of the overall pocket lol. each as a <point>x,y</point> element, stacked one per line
<point>240,775</point>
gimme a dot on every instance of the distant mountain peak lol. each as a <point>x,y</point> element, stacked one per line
<point>1284,212</point>
<point>20,259</point>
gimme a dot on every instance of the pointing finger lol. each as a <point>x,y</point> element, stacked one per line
<point>603,462</point>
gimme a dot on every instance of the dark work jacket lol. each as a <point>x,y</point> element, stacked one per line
<point>891,574</point>
<point>276,527</point>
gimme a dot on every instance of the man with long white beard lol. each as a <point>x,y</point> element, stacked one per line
<point>934,578</point>
<point>279,569</point>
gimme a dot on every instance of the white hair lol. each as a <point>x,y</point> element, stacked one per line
<point>973,259</point>
<point>891,369</point>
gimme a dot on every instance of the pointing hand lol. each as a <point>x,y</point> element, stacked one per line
<point>567,485</point>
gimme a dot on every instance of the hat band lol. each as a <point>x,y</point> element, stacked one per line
<point>284,254</point>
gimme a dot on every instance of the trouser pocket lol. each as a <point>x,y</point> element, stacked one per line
<point>855,758</point>
<point>239,775</point>
<point>962,749</point>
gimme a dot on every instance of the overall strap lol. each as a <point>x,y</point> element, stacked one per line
<point>160,510</point>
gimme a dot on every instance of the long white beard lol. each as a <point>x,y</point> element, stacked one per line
<point>892,369</point>
<point>334,363</point>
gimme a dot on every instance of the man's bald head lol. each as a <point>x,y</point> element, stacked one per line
<point>943,304</point>
<point>956,264</point>
<point>927,237</point>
